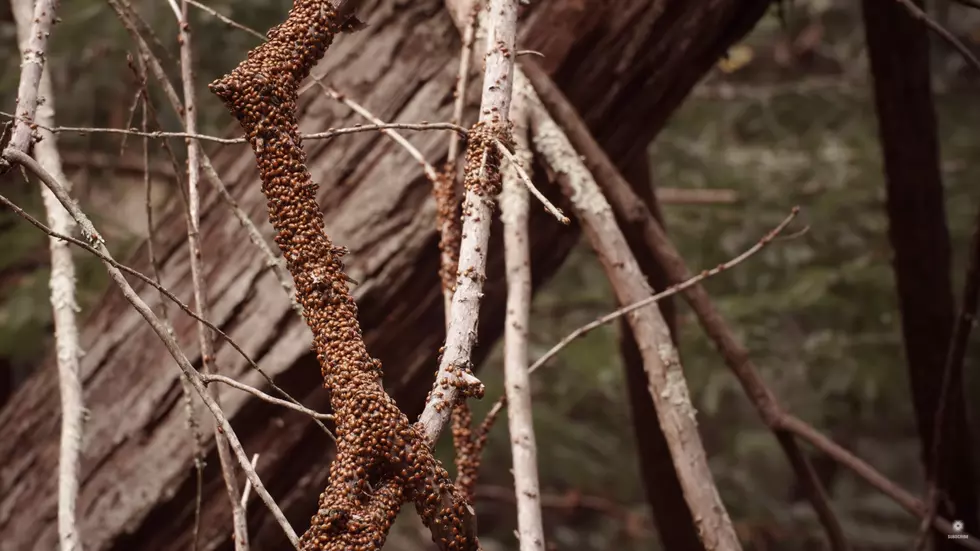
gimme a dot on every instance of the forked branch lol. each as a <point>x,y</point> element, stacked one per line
<point>382,460</point>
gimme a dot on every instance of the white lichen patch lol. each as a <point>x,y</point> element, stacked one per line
<point>550,141</point>
<point>675,388</point>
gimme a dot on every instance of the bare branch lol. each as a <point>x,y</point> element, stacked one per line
<point>186,389</point>
<point>62,285</point>
<point>209,378</point>
<point>227,20</point>
<point>325,135</point>
<point>204,336</point>
<point>526,180</point>
<point>667,385</point>
<point>248,484</point>
<point>514,213</point>
<point>33,55</point>
<point>385,129</point>
<point>736,356</point>
<point>462,78</point>
<point>454,378</point>
<point>188,370</point>
<point>942,32</point>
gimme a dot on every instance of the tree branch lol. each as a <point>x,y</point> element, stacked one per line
<point>482,180</point>
<point>204,336</point>
<point>381,459</point>
<point>666,381</point>
<point>514,213</point>
<point>158,327</point>
<point>62,286</point>
<point>32,69</point>
<point>736,356</point>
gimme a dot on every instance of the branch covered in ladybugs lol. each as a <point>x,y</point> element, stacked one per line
<point>382,460</point>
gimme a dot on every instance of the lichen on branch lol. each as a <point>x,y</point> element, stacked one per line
<point>382,461</point>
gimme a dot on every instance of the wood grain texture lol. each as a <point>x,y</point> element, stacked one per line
<point>625,63</point>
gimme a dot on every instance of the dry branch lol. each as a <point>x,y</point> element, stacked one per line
<point>98,245</point>
<point>328,134</point>
<point>482,180</point>
<point>626,203</point>
<point>193,428</point>
<point>215,378</point>
<point>630,207</point>
<point>132,22</point>
<point>32,68</point>
<point>204,336</point>
<point>62,286</point>
<point>666,380</point>
<point>467,451</point>
<point>514,213</point>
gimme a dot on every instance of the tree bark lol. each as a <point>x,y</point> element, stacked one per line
<point>898,49</point>
<point>137,482</point>
<point>671,515</point>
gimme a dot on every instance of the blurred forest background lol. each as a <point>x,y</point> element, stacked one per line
<point>787,119</point>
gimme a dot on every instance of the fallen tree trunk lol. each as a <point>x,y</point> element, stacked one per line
<point>137,480</point>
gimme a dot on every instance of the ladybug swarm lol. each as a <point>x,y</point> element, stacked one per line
<point>382,462</point>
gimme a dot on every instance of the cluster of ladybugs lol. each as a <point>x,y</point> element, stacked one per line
<point>381,460</point>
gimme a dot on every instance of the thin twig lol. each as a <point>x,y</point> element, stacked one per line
<point>324,135</point>
<point>248,484</point>
<point>209,378</point>
<point>158,328</point>
<point>204,336</point>
<point>63,300</point>
<point>943,33</point>
<point>526,180</point>
<point>620,312</point>
<point>462,78</point>
<point>130,117</point>
<point>517,257</point>
<point>330,91</point>
<point>227,20</point>
<point>190,412</point>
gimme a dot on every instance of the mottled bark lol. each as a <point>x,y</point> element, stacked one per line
<point>898,48</point>
<point>137,483</point>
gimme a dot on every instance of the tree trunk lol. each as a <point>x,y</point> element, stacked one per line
<point>137,479</point>
<point>671,514</point>
<point>898,48</point>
